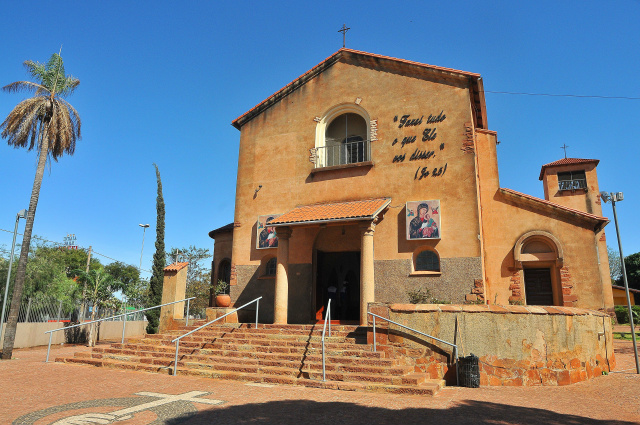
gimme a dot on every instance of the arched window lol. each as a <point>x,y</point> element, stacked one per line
<point>342,136</point>
<point>426,261</point>
<point>270,267</point>
<point>344,139</point>
<point>224,272</point>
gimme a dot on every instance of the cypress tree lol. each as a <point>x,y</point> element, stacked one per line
<point>157,276</point>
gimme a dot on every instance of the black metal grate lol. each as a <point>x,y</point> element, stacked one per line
<point>469,371</point>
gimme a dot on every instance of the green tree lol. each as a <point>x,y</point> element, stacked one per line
<point>135,290</point>
<point>615,268</point>
<point>632,264</point>
<point>100,288</point>
<point>48,275</point>
<point>50,124</point>
<point>198,274</point>
<point>157,271</point>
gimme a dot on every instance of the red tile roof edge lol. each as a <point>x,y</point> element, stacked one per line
<point>567,161</point>
<point>224,229</point>
<point>386,202</point>
<point>554,205</point>
<point>175,267</point>
<point>622,287</point>
<point>329,62</point>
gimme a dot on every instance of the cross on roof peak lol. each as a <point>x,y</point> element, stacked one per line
<point>344,30</point>
<point>564,146</point>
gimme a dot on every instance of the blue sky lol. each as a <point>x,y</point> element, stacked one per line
<point>161,82</point>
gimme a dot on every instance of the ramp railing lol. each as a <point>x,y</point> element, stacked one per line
<point>124,322</point>
<point>177,340</point>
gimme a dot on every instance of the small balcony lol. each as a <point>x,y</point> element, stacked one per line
<point>345,153</point>
<point>572,184</point>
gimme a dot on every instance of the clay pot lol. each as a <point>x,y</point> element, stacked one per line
<point>223,300</point>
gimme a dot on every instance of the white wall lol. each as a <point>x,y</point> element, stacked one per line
<point>33,334</point>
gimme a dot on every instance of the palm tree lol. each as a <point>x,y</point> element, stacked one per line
<point>50,124</point>
<point>100,288</point>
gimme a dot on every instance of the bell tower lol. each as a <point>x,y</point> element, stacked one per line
<point>573,183</point>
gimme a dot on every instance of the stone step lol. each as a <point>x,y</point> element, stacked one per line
<point>207,334</point>
<point>342,358</point>
<point>241,364</point>
<point>257,345</point>
<point>249,339</point>
<point>418,385</point>
<point>262,329</point>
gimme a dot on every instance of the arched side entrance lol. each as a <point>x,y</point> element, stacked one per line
<point>539,257</point>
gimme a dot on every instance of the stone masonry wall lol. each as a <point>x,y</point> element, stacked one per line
<point>516,345</point>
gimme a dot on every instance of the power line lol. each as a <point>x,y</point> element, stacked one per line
<point>565,95</point>
<point>96,253</point>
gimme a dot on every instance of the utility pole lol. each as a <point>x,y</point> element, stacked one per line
<point>21,214</point>
<point>615,197</point>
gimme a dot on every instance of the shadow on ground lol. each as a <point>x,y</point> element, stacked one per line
<point>304,411</point>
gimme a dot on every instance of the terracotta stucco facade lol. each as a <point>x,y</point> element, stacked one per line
<point>426,139</point>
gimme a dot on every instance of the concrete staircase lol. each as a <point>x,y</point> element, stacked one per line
<point>275,354</point>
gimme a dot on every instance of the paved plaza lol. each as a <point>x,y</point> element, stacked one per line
<point>34,392</point>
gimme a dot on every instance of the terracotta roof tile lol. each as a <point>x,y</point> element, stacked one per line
<point>363,209</point>
<point>175,267</point>
<point>223,229</point>
<point>304,78</point>
<point>622,288</point>
<point>567,161</point>
<point>554,205</point>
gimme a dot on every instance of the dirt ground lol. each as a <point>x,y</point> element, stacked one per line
<point>34,392</point>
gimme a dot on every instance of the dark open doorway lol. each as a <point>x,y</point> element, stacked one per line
<point>338,278</point>
<point>538,286</point>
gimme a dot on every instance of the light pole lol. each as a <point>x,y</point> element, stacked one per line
<point>144,229</point>
<point>21,214</point>
<point>613,197</point>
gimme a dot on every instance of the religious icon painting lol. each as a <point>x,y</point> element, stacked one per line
<point>266,235</point>
<point>423,220</point>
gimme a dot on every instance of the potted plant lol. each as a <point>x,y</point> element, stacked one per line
<point>222,298</point>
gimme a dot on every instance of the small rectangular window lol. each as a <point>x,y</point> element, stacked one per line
<point>572,180</point>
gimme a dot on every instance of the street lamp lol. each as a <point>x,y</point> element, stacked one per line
<point>21,214</point>
<point>614,197</point>
<point>144,229</point>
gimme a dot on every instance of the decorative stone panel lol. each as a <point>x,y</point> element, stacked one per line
<point>569,299</point>
<point>516,288</point>
<point>468,142</point>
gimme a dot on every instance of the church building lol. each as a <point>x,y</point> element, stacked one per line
<point>373,179</point>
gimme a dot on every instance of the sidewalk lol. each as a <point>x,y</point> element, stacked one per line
<point>34,392</point>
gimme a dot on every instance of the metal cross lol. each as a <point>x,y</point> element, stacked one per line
<point>564,146</point>
<point>344,30</point>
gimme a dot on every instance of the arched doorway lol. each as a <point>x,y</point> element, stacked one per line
<point>539,256</point>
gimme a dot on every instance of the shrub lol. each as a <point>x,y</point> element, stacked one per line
<point>622,313</point>
<point>423,296</point>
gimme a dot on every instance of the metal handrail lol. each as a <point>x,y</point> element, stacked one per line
<point>455,347</point>
<point>177,340</point>
<point>124,322</point>
<point>344,153</point>
<point>324,329</point>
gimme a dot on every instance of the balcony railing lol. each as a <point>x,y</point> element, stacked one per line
<point>572,184</point>
<point>343,153</point>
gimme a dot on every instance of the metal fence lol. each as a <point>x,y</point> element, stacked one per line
<point>52,310</point>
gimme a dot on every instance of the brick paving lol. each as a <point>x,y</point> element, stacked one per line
<point>31,389</point>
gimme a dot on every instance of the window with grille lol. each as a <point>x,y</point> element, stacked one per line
<point>270,268</point>
<point>572,180</point>
<point>427,261</point>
